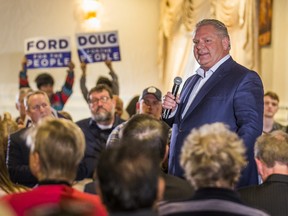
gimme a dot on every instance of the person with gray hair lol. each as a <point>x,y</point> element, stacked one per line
<point>37,106</point>
<point>212,158</point>
<point>221,91</point>
<point>271,155</point>
<point>56,149</point>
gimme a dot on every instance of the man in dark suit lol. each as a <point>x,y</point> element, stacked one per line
<point>37,107</point>
<point>271,155</point>
<point>220,91</point>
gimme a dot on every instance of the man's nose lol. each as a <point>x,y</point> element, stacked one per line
<point>200,45</point>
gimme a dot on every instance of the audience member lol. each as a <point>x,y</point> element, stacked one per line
<point>271,155</point>
<point>212,158</point>
<point>129,181</point>
<point>37,107</point>
<point>57,147</point>
<point>155,134</point>
<point>7,126</point>
<point>113,84</point>
<point>221,91</point>
<point>149,103</point>
<point>271,105</point>
<point>22,120</point>
<point>45,82</point>
<point>98,127</point>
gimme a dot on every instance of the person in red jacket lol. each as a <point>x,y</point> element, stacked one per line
<point>57,147</point>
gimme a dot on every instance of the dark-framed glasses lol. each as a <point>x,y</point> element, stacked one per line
<point>103,99</point>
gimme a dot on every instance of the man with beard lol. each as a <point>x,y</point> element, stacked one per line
<point>98,127</point>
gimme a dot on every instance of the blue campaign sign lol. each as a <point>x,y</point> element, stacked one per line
<point>47,52</point>
<point>98,47</point>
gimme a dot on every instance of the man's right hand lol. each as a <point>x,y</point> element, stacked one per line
<point>170,102</point>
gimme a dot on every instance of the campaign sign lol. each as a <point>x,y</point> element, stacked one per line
<point>47,52</point>
<point>98,47</point>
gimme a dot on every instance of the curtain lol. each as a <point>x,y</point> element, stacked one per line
<point>177,22</point>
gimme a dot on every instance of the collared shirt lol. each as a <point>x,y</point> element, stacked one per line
<point>202,80</point>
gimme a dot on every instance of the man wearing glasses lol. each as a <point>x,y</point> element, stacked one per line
<point>98,127</point>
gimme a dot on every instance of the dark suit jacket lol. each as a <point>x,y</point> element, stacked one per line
<point>232,95</point>
<point>18,159</point>
<point>208,202</point>
<point>271,196</point>
<point>175,188</point>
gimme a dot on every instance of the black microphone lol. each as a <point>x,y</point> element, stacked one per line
<point>175,89</point>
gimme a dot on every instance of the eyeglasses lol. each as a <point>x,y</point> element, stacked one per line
<point>103,99</point>
<point>38,106</point>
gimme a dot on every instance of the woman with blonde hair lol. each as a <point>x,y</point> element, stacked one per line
<point>7,126</point>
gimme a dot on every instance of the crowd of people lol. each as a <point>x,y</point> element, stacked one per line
<point>206,158</point>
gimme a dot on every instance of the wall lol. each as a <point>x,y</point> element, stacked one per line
<point>274,63</point>
<point>137,24</point>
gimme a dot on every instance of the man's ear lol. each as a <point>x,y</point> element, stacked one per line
<point>260,167</point>
<point>114,101</point>
<point>161,189</point>
<point>137,107</point>
<point>226,43</point>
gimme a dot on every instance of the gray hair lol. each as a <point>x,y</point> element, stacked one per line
<point>272,147</point>
<point>211,154</point>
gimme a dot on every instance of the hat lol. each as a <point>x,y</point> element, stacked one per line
<point>152,90</point>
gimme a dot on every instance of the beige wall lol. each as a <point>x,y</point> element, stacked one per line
<point>274,58</point>
<point>137,25</point>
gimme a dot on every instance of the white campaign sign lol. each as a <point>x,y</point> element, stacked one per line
<point>98,46</point>
<point>47,52</point>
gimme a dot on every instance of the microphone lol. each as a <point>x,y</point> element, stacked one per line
<point>175,89</point>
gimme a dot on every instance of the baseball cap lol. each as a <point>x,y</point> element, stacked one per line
<point>152,90</point>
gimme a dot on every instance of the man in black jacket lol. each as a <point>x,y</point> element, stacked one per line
<point>37,107</point>
<point>271,155</point>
